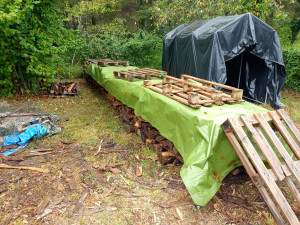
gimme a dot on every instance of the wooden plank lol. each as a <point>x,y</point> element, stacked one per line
<point>186,77</point>
<point>285,134</point>
<point>286,169</point>
<point>252,173</point>
<point>263,172</point>
<point>279,146</point>
<point>191,84</point>
<point>265,148</point>
<point>290,124</point>
<point>292,188</point>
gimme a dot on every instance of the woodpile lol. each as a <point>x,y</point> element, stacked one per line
<point>64,89</point>
<point>191,91</point>
<point>193,94</point>
<point>165,149</point>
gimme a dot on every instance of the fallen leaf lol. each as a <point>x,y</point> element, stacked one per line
<point>114,170</point>
<point>137,157</point>
<point>103,167</point>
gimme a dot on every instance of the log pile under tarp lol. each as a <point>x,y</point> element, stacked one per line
<point>64,89</point>
<point>165,149</point>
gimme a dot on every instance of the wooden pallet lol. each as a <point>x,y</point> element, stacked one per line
<point>144,73</point>
<point>192,94</point>
<point>235,92</point>
<point>272,130</point>
<point>108,62</point>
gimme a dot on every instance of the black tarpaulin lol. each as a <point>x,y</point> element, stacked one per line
<point>240,51</point>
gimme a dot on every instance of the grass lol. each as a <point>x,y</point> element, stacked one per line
<point>292,100</point>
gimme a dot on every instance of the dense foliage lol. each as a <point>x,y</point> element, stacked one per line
<point>43,39</point>
<point>292,61</point>
<point>29,35</point>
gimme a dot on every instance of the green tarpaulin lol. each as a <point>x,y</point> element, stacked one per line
<point>196,133</point>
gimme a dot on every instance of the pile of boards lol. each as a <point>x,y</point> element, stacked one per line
<point>189,90</point>
<point>64,89</point>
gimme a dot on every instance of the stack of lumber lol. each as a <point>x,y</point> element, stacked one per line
<point>193,94</point>
<point>64,89</point>
<point>191,91</point>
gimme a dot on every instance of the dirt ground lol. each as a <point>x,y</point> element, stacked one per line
<point>120,183</point>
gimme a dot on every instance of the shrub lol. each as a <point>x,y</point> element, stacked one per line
<point>29,39</point>
<point>144,50</point>
<point>292,58</point>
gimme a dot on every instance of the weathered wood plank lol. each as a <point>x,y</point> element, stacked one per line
<point>290,124</point>
<point>285,134</point>
<point>265,148</point>
<point>279,146</point>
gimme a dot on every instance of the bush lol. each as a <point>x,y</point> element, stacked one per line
<point>104,46</point>
<point>29,40</point>
<point>292,58</point>
<point>144,50</point>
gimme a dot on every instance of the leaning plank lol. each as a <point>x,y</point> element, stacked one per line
<point>263,172</point>
<point>252,173</point>
<point>290,124</point>
<point>293,188</point>
<point>285,134</point>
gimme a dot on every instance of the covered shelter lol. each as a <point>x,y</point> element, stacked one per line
<point>240,51</point>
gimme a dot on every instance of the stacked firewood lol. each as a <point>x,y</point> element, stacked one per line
<point>165,149</point>
<point>64,89</point>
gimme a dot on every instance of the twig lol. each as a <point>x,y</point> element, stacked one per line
<point>31,152</point>
<point>113,151</point>
<point>80,202</point>
<point>131,195</point>
<point>11,181</point>
<point>99,149</point>
<point>4,190</point>
<point>24,168</point>
<point>42,150</point>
